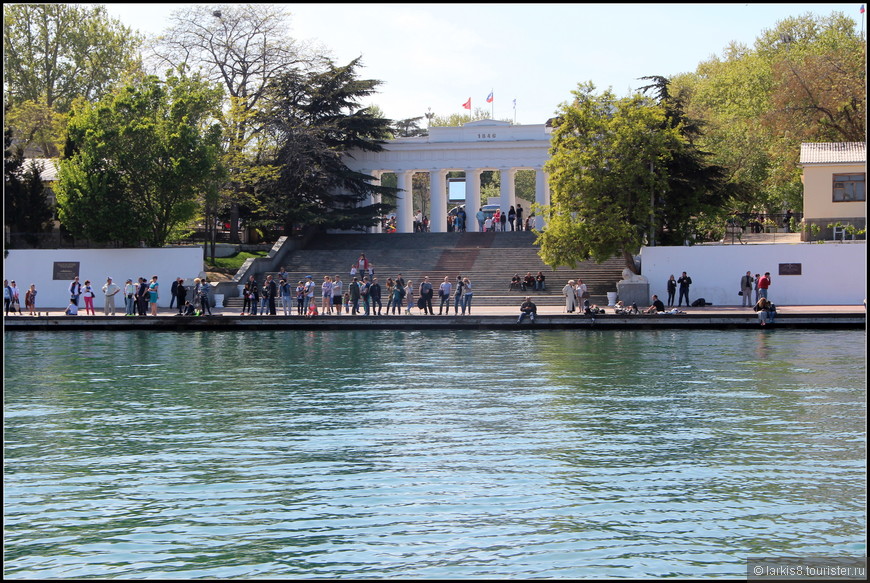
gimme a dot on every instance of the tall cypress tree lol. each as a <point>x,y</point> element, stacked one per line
<point>315,119</point>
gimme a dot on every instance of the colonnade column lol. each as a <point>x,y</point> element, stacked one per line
<point>542,194</point>
<point>438,201</point>
<point>404,202</point>
<point>374,198</point>
<point>507,188</point>
<point>472,199</point>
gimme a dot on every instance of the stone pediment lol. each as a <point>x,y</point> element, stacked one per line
<point>486,122</point>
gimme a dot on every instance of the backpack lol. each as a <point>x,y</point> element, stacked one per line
<point>700,303</point>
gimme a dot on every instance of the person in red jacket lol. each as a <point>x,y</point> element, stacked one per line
<point>763,284</point>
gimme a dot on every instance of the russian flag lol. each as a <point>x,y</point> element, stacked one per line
<point>489,97</point>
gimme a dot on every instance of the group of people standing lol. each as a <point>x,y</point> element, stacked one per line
<point>500,220</point>
<point>363,296</point>
<point>12,298</point>
<point>576,295</point>
<point>683,283</point>
<point>140,297</point>
<point>761,283</point>
<point>264,299</point>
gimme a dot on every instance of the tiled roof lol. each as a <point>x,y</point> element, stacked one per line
<point>834,153</point>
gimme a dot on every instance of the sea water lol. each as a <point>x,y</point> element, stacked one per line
<point>430,454</point>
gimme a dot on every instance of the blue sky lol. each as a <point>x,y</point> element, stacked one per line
<point>439,55</point>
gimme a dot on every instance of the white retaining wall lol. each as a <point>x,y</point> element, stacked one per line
<point>27,266</point>
<point>831,273</point>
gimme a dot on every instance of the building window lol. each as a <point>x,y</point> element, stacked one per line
<point>849,187</point>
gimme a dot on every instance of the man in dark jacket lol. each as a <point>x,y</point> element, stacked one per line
<point>375,296</point>
<point>271,291</point>
<point>684,282</point>
<point>180,294</point>
<point>173,295</point>
<point>528,308</point>
<point>426,293</point>
<point>354,296</point>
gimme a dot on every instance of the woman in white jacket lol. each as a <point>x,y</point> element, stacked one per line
<point>570,296</point>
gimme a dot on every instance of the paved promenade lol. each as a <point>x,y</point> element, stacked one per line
<point>482,318</point>
<point>513,311</point>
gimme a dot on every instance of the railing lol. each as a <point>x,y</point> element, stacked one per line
<point>63,240</point>
<point>761,222</point>
<point>55,240</point>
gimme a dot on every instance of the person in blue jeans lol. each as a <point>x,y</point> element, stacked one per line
<point>466,304</point>
<point>286,296</point>
<point>528,308</point>
<point>459,296</point>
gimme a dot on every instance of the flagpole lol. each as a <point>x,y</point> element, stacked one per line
<point>492,105</point>
<point>862,21</point>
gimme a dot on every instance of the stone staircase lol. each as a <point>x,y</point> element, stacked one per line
<point>489,260</point>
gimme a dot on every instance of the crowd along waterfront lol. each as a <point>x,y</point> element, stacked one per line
<point>431,453</point>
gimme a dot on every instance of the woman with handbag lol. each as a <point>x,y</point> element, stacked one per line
<point>88,294</point>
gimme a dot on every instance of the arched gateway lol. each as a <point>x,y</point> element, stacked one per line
<point>473,148</point>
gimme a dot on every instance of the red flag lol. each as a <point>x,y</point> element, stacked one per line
<point>467,104</point>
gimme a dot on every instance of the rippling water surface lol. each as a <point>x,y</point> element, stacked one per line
<point>430,454</point>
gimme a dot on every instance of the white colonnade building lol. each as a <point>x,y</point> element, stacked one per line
<point>473,148</point>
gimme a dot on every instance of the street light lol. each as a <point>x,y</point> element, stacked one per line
<point>429,115</point>
<point>652,206</point>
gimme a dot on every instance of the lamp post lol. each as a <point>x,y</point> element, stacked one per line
<point>429,115</point>
<point>652,205</point>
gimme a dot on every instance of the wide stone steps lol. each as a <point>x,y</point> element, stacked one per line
<point>489,260</point>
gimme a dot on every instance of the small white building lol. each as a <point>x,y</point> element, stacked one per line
<point>834,178</point>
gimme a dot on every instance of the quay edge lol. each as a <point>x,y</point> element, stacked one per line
<point>734,320</point>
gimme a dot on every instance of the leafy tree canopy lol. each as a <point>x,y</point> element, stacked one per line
<point>138,161</point>
<point>804,80</point>
<point>314,119</point>
<point>54,53</point>
<point>619,170</point>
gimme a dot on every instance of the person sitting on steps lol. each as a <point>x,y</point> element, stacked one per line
<point>528,281</point>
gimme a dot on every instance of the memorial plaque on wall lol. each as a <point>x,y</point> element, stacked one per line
<point>66,269</point>
<point>789,268</point>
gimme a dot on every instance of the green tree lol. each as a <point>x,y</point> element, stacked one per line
<point>408,128</point>
<point>37,128</point>
<point>315,118</point>
<point>244,47</point>
<point>696,189</point>
<point>608,156</point>
<point>803,80</point>
<point>138,162</point>
<point>54,53</point>
<point>26,211</point>
<point>459,119</point>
